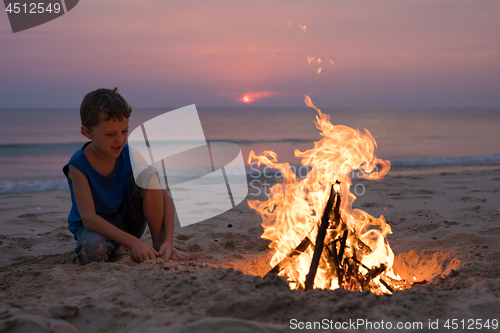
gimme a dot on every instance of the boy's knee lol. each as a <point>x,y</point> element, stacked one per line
<point>153,196</point>
<point>94,250</point>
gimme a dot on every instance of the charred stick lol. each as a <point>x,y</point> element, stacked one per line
<point>381,280</point>
<point>355,273</point>
<point>387,286</point>
<point>419,282</point>
<point>342,244</point>
<point>352,280</point>
<point>333,253</point>
<point>360,263</point>
<point>373,273</point>
<point>320,238</point>
<point>288,259</point>
<point>363,247</point>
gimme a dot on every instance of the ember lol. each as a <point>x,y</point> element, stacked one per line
<point>319,240</point>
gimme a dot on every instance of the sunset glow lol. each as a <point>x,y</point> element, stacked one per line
<point>250,97</point>
<point>228,52</point>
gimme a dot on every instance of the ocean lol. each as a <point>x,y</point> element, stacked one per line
<point>36,143</point>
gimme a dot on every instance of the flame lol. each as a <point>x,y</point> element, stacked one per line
<point>294,207</point>
<point>331,61</point>
<point>309,59</point>
<point>250,97</point>
<point>272,55</point>
<point>303,27</point>
<point>289,23</point>
<point>319,61</point>
<point>319,71</point>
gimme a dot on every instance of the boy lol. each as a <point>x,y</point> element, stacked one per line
<point>108,209</point>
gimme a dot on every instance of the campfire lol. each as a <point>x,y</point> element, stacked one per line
<point>318,239</point>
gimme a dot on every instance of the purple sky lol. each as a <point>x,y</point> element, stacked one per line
<point>425,53</point>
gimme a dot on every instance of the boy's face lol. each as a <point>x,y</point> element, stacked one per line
<point>108,136</point>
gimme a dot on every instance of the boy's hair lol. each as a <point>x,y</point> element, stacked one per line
<point>105,101</point>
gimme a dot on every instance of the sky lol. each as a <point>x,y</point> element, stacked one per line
<point>159,53</point>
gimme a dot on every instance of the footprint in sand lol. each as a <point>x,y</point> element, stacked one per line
<point>470,199</point>
<point>182,237</point>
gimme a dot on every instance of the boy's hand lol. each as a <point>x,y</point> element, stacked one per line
<point>142,251</point>
<point>166,250</point>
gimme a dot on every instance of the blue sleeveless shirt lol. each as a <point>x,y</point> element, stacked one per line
<point>107,192</point>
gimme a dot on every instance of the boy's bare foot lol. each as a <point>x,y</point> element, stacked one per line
<point>180,255</point>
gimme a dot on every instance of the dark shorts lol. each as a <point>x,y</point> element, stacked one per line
<point>92,246</point>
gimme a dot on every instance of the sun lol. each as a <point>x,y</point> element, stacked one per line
<point>252,96</point>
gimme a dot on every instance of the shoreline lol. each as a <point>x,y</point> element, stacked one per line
<point>24,185</point>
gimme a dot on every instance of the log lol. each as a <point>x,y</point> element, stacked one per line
<point>387,286</point>
<point>332,252</point>
<point>342,244</point>
<point>290,256</point>
<point>373,273</point>
<point>320,238</point>
<point>363,247</point>
<point>381,281</point>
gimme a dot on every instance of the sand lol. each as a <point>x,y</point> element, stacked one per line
<point>446,230</point>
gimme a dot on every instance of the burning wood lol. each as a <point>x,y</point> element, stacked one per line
<point>350,248</point>
<point>320,238</point>
<point>354,279</point>
<point>291,256</point>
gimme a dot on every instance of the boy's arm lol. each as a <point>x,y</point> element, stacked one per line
<point>168,226</point>
<point>93,222</point>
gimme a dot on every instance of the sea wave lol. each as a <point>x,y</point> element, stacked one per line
<point>417,161</point>
<point>263,171</point>
<point>37,149</point>
<point>31,186</point>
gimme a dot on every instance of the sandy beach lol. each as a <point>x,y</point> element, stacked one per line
<point>211,92</point>
<point>445,230</point>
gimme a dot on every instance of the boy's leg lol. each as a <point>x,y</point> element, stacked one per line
<point>141,205</point>
<point>92,246</point>
<point>154,212</point>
